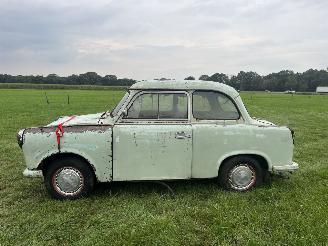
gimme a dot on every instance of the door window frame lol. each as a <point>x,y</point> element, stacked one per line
<point>211,120</point>
<point>158,120</point>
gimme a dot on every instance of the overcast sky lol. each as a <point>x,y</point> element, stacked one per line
<point>165,38</point>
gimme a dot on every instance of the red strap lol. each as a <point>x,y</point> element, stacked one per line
<point>60,130</point>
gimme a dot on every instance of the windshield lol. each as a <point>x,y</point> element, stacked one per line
<point>119,105</point>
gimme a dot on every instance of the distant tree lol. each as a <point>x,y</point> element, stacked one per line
<point>111,77</point>
<point>109,80</point>
<point>220,77</point>
<point>314,78</point>
<point>72,79</point>
<point>125,82</point>
<point>38,79</point>
<point>248,81</point>
<point>52,79</point>
<point>204,77</point>
<point>190,78</point>
<point>90,78</point>
<point>280,81</point>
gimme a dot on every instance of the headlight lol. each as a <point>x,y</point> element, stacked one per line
<point>20,138</point>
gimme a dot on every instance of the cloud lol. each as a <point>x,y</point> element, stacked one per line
<point>157,38</point>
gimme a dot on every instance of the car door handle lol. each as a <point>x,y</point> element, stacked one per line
<point>182,135</point>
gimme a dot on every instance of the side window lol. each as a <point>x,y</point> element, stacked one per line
<point>159,106</point>
<point>210,105</point>
<point>173,106</point>
<point>144,106</point>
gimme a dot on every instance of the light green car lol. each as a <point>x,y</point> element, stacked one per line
<point>159,131</point>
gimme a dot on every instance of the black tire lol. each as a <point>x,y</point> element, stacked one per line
<point>69,178</point>
<point>240,173</point>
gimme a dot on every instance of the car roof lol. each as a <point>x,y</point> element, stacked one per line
<point>184,85</point>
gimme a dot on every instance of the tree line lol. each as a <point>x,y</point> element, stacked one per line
<point>89,78</point>
<point>244,81</point>
<point>280,81</point>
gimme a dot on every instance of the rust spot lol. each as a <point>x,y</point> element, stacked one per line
<point>135,139</point>
<point>76,128</point>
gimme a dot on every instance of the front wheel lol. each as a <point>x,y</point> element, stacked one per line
<point>69,178</point>
<point>240,173</point>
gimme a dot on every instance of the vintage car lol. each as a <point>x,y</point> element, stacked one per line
<point>159,131</point>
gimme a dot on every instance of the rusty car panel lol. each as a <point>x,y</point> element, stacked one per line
<point>203,131</point>
<point>152,151</point>
<point>213,143</point>
<point>93,143</point>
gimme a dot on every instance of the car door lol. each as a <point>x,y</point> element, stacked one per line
<point>153,140</point>
<point>217,131</point>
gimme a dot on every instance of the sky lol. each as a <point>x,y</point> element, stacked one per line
<point>149,39</point>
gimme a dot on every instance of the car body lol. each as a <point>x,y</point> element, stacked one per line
<point>164,130</point>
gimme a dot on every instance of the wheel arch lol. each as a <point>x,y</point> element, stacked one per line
<point>46,161</point>
<point>263,161</point>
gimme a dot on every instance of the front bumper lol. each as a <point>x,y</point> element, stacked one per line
<point>32,173</point>
<point>286,168</point>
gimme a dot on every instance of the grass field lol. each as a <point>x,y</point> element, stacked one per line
<point>59,86</point>
<point>289,211</point>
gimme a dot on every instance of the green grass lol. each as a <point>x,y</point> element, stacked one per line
<point>289,211</point>
<point>58,86</point>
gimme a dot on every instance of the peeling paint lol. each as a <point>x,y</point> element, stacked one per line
<point>125,149</point>
<point>151,152</point>
<point>93,143</point>
<point>69,129</point>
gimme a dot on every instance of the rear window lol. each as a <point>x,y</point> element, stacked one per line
<point>210,105</point>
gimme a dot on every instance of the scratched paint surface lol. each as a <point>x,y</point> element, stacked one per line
<point>93,144</point>
<point>212,143</point>
<point>151,150</point>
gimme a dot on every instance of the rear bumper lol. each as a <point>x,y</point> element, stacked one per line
<point>32,173</point>
<point>286,168</point>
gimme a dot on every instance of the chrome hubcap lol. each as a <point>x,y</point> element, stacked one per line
<point>68,181</point>
<point>242,177</point>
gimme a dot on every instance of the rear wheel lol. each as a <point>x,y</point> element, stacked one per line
<point>240,173</point>
<point>69,178</point>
